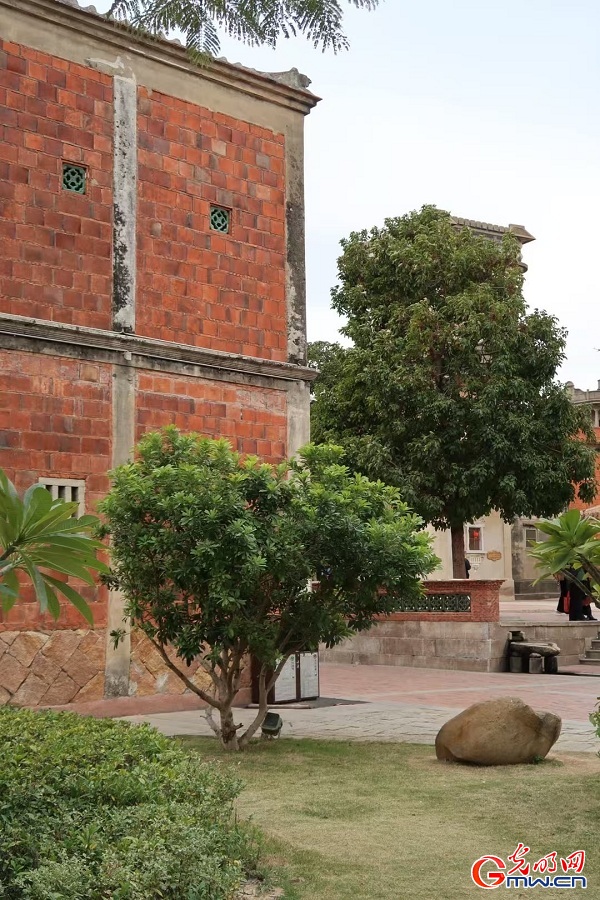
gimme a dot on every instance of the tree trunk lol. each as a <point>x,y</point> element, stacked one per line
<point>229,737</point>
<point>457,533</point>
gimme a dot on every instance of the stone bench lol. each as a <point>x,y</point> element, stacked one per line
<point>523,650</point>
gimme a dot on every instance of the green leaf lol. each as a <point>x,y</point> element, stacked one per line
<point>72,596</point>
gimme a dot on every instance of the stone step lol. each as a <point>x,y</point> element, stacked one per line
<point>589,661</point>
<point>592,654</point>
<point>595,643</point>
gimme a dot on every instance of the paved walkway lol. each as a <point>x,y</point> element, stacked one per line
<point>407,704</point>
<point>534,612</point>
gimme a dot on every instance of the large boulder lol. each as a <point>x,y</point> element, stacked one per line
<point>501,732</point>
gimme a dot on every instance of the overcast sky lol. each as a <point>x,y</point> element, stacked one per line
<point>489,110</point>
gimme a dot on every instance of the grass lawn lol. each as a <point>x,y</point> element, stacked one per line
<point>357,821</point>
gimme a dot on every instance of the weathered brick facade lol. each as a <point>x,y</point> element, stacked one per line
<point>122,307</point>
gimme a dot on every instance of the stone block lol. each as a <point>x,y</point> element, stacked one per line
<point>80,668</point>
<point>169,683</point>
<point>27,645</point>
<point>12,673</point>
<point>31,691</point>
<point>93,645</point>
<point>143,686</point>
<point>93,690</point>
<point>61,645</point>
<point>202,680</point>
<point>148,656</point>
<point>462,649</point>
<point>7,637</point>
<point>61,691</point>
<point>45,668</point>
<point>364,644</point>
<point>4,697</point>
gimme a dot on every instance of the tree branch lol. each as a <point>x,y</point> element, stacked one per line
<point>212,701</point>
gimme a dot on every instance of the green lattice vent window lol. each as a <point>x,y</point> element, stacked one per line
<point>73,178</point>
<point>220,219</point>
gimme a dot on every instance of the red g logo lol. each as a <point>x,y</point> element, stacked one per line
<point>493,879</point>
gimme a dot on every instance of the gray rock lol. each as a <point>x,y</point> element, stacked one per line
<point>501,732</point>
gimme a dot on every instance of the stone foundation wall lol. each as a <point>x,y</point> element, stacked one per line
<point>62,667</point>
<point>150,675</point>
<point>468,646</point>
<point>465,646</point>
<point>51,668</point>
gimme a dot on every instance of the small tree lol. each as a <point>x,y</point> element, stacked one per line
<point>215,555</point>
<point>39,535</point>
<point>449,391</point>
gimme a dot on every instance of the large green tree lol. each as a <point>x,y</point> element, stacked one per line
<point>215,555</point>
<point>449,390</point>
<point>253,21</point>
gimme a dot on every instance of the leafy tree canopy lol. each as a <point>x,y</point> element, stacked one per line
<point>215,555</point>
<point>255,22</point>
<point>449,391</point>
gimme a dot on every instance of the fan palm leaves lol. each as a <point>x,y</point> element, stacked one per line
<point>42,537</point>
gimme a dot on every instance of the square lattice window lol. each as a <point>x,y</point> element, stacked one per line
<point>73,178</point>
<point>220,219</point>
<point>68,489</point>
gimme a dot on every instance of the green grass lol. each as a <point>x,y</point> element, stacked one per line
<point>351,821</point>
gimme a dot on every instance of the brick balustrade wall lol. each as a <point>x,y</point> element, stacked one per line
<point>485,602</point>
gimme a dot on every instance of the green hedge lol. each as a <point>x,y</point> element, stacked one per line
<point>91,808</point>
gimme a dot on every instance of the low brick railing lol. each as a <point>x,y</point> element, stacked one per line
<point>465,600</point>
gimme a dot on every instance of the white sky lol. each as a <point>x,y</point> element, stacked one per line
<point>488,110</point>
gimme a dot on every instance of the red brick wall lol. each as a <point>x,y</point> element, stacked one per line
<point>197,286</point>
<point>253,419</point>
<point>55,421</point>
<point>55,261</point>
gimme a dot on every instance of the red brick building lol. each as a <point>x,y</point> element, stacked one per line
<point>151,272</point>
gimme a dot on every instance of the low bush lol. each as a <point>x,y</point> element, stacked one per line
<point>92,808</point>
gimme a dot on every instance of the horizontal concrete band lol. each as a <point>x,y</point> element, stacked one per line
<point>22,333</point>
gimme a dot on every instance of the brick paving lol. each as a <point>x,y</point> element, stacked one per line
<point>392,703</point>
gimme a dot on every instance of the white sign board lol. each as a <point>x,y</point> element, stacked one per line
<point>285,686</point>
<point>309,675</point>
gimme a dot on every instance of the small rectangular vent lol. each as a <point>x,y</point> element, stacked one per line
<point>67,489</point>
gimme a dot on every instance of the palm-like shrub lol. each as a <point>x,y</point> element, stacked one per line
<point>573,544</point>
<point>42,537</point>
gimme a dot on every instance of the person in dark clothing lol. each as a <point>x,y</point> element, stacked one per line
<point>467,568</point>
<point>580,608</point>
<point>564,588</point>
